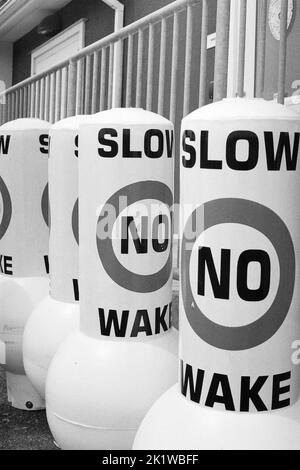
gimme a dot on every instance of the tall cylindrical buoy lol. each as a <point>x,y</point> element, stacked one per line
<point>58,314</point>
<point>24,236</point>
<point>239,301</point>
<point>124,357</point>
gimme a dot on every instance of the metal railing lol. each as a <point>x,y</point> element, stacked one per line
<point>151,72</point>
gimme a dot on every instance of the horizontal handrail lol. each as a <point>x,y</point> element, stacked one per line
<point>34,78</point>
<point>132,28</point>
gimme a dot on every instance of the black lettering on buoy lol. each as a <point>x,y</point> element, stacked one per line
<point>204,161</point>
<point>127,152</point>
<point>76,289</point>
<point>226,398</point>
<point>231,157</point>
<point>188,162</point>
<point>76,146</point>
<point>188,384</point>
<point>114,323</point>
<point>194,381</point>
<point>220,286</point>
<point>141,244</point>
<point>46,261</point>
<point>170,143</point>
<point>148,143</point>
<point>160,319</point>
<point>113,320</point>
<point>284,145</point>
<point>279,390</point>
<point>159,247</point>
<point>253,256</point>
<point>249,393</point>
<point>6,265</point>
<point>141,324</point>
<point>44,143</point>
<point>4,144</point>
<point>112,144</point>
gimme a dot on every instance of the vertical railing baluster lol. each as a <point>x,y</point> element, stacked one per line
<point>110,75</point>
<point>71,100</point>
<point>24,114</point>
<point>150,68</point>
<point>139,69</point>
<point>52,97</point>
<point>261,47</point>
<point>88,84</point>
<point>9,106</point>
<point>222,50</point>
<point>129,71</point>
<point>103,78</point>
<point>47,98</point>
<point>17,106</point>
<point>28,101</point>
<point>79,88</point>
<point>162,67</point>
<point>174,70</point>
<point>42,100</point>
<point>37,99</point>
<point>64,100</point>
<point>242,46</point>
<point>117,74</point>
<point>282,51</point>
<point>32,102</point>
<point>188,60</point>
<point>95,82</point>
<point>57,116</point>
<point>21,93</point>
<point>203,54</point>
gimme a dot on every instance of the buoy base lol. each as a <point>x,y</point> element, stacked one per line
<point>48,326</point>
<point>175,423</point>
<point>2,352</point>
<point>98,391</point>
<point>21,394</point>
<point>18,297</point>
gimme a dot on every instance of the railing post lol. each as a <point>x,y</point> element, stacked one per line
<point>222,50</point>
<point>261,47</point>
<point>103,78</point>
<point>174,70</point>
<point>188,61</point>
<point>129,71</point>
<point>139,69</point>
<point>203,54</point>
<point>71,107</point>
<point>162,67</point>
<point>282,51</point>
<point>242,46</point>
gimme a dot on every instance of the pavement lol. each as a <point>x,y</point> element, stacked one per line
<point>22,430</point>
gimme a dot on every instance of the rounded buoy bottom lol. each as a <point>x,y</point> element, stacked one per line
<point>18,298</point>
<point>49,324</point>
<point>98,391</point>
<point>175,423</point>
<point>21,394</point>
<point>2,352</point>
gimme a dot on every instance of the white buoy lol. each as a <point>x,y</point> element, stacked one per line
<point>24,238</point>
<point>104,378</point>
<point>239,302</point>
<point>58,314</point>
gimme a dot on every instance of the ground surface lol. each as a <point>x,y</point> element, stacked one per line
<point>22,430</point>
